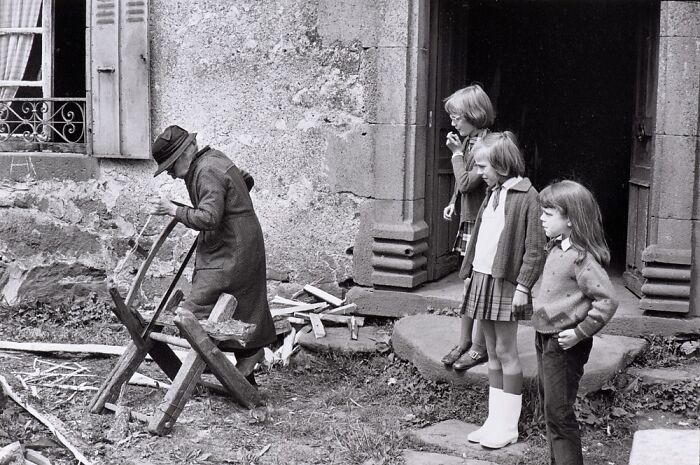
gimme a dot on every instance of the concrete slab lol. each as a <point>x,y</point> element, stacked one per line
<point>666,375</point>
<point>370,339</point>
<point>661,446</point>
<point>629,320</point>
<point>412,457</point>
<point>425,339</point>
<point>451,435</point>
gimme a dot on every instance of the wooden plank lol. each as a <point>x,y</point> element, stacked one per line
<point>297,308</point>
<point>44,419</point>
<point>134,91</point>
<point>323,295</point>
<point>176,398</point>
<point>172,340</point>
<point>48,347</point>
<point>283,301</point>
<point>131,320</point>
<point>317,326</point>
<point>104,72</point>
<point>344,310</point>
<point>226,373</point>
<point>121,373</point>
<point>340,319</point>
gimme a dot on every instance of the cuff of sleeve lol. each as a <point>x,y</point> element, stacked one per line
<point>580,334</point>
<point>457,154</point>
<point>180,214</point>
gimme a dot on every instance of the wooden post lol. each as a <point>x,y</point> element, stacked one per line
<point>223,369</point>
<point>184,383</point>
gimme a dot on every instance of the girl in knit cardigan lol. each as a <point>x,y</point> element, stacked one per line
<point>504,259</point>
<point>575,300</point>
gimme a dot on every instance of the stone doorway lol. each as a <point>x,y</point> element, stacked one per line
<point>563,77</point>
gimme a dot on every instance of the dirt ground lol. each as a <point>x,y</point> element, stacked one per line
<point>322,409</point>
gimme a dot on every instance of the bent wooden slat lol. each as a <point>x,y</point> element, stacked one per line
<point>147,263</point>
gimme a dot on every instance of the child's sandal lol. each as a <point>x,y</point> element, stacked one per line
<point>453,355</point>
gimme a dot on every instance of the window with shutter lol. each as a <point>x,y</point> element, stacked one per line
<point>74,77</point>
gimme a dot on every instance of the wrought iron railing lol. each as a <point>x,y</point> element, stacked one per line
<point>43,125</point>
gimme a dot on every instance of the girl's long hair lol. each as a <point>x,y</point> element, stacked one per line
<point>578,204</point>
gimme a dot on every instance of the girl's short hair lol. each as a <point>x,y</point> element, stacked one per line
<point>578,204</point>
<point>503,153</point>
<point>473,104</point>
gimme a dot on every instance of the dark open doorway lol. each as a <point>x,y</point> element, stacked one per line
<point>562,76</point>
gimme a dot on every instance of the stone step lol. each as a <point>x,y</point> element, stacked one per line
<point>451,435</point>
<point>666,446</point>
<point>667,375</point>
<point>412,457</point>
<point>425,339</point>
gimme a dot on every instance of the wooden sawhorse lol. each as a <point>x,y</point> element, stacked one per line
<point>147,339</point>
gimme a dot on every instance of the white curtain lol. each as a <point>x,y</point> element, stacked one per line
<point>15,48</point>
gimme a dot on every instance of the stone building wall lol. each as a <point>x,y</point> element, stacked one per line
<point>282,87</point>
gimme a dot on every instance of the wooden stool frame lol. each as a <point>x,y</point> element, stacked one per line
<point>184,375</point>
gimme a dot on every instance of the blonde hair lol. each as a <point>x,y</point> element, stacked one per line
<point>578,204</point>
<point>473,104</point>
<point>501,149</point>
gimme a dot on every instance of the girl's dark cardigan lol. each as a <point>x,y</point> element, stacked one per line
<point>520,256</point>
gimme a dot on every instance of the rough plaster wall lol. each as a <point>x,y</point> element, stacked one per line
<point>256,81</point>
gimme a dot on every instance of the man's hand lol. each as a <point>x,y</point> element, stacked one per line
<point>161,206</point>
<point>448,212</point>
<point>568,339</point>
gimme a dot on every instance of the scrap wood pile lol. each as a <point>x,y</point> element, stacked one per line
<point>290,314</point>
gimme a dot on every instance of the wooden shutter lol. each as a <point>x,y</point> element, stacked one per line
<point>119,78</point>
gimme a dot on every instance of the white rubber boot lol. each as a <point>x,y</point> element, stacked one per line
<point>504,430</point>
<point>494,400</point>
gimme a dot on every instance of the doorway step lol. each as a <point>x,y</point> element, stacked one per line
<point>437,296</point>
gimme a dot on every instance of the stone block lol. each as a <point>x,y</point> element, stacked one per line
<point>657,446</point>
<point>399,162</point>
<point>674,176</point>
<point>656,254</point>
<point>394,278</point>
<point>679,63</point>
<point>666,375</point>
<point>395,90</point>
<point>673,234</point>
<point>350,157</point>
<point>677,113</point>
<point>412,457</point>
<point>451,435</point>
<point>370,339</point>
<point>402,220</point>
<point>425,339</point>
<point>362,249</point>
<point>394,304</point>
<point>680,19</point>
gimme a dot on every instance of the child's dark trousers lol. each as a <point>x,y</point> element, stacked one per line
<point>559,373</point>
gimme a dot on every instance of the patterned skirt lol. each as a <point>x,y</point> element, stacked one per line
<point>463,236</point>
<point>492,299</point>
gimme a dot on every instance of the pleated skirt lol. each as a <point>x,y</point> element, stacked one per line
<point>489,298</point>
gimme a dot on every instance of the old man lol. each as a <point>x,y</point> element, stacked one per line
<point>230,253</point>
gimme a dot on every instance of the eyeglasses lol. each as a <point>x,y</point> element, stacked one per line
<point>455,118</point>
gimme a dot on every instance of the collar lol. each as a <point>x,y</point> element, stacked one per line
<point>564,243</point>
<point>510,182</point>
<point>196,157</point>
<point>522,184</point>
